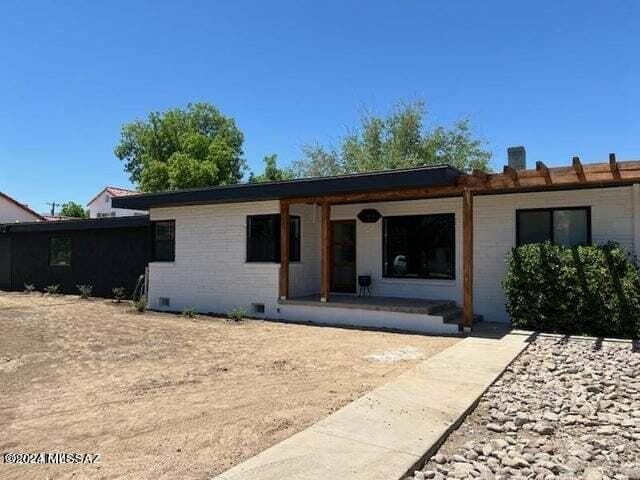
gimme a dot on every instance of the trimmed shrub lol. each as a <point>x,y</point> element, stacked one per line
<point>591,290</point>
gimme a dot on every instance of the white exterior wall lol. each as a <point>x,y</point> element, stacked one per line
<point>10,213</point>
<point>369,249</point>
<point>612,219</point>
<point>103,205</point>
<point>304,276</point>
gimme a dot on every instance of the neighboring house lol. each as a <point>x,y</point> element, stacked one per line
<point>13,211</point>
<point>100,205</point>
<point>420,234</point>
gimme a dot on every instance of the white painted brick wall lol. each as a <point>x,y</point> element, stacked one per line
<point>304,276</point>
<point>495,234</point>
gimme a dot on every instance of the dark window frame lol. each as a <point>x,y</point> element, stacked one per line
<point>61,237</point>
<point>587,209</point>
<point>385,274</point>
<point>171,258</point>
<point>297,252</point>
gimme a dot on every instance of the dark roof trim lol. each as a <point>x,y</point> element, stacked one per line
<point>80,224</point>
<point>304,187</point>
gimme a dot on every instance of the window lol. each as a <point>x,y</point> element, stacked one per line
<point>419,246</point>
<point>164,241</point>
<point>263,238</point>
<point>60,251</point>
<point>563,226</point>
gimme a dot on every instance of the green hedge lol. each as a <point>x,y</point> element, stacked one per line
<point>591,290</point>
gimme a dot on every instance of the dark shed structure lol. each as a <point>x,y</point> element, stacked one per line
<point>105,253</point>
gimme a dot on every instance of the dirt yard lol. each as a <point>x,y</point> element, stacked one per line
<point>160,396</point>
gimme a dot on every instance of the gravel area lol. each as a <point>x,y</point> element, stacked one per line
<point>566,408</point>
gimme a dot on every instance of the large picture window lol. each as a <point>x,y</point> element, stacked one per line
<point>419,246</point>
<point>563,226</point>
<point>263,238</point>
<point>60,251</point>
<point>164,241</point>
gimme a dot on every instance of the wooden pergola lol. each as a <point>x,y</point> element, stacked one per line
<point>542,178</point>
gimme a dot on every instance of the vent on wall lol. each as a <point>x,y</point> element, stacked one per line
<point>258,307</point>
<point>164,301</point>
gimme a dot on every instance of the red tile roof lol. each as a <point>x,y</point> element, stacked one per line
<point>21,205</point>
<point>115,192</point>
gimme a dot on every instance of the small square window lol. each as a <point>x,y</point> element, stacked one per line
<point>60,251</point>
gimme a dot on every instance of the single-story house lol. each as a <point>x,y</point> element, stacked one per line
<point>105,253</point>
<point>100,206</point>
<point>429,244</point>
<point>13,211</point>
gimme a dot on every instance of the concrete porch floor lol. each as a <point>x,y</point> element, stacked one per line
<point>387,304</point>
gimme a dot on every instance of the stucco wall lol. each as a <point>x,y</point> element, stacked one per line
<point>10,213</point>
<point>100,205</point>
<point>612,219</point>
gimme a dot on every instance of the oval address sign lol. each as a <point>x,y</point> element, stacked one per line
<point>369,215</point>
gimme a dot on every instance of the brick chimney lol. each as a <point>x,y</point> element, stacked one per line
<point>517,158</point>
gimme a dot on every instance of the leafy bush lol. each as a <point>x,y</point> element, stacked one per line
<point>593,290</point>
<point>140,305</point>
<point>237,314</point>
<point>52,289</point>
<point>29,288</point>
<point>189,313</point>
<point>118,294</point>
<point>85,290</point>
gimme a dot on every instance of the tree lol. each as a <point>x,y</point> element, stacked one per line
<point>398,140</point>
<point>180,148</point>
<point>271,171</point>
<point>73,209</point>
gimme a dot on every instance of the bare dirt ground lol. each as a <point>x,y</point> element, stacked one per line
<point>160,396</point>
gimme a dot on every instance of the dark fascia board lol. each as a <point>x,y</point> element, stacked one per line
<point>80,224</point>
<point>304,187</point>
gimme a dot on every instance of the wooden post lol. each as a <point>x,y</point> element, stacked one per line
<point>325,217</point>
<point>284,250</point>
<point>467,258</point>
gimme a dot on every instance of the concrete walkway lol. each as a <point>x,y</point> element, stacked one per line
<point>387,432</point>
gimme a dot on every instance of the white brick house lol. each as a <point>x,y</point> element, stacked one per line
<point>438,246</point>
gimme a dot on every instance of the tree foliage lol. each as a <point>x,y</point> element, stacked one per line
<point>271,171</point>
<point>399,140</point>
<point>193,147</point>
<point>73,209</point>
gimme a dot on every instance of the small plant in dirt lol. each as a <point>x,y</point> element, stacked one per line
<point>52,289</point>
<point>237,314</point>
<point>29,288</point>
<point>118,294</point>
<point>85,290</point>
<point>140,305</point>
<point>189,313</point>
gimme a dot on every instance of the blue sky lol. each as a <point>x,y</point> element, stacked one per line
<point>561,78</point>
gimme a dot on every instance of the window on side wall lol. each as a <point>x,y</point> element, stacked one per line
<point>60,251</point>
<point>419,246</point>
<point>164,241</point>
<point>569,227</point>
<point>263,238</point>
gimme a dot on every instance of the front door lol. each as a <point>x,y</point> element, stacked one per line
<point>343,256</point>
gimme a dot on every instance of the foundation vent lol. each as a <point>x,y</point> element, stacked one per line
<point>164,301</point>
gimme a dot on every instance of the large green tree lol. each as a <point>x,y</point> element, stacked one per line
<point>398,140</point>
<point>271,171</point>
<point>73,209</point>
<point>192,147</point>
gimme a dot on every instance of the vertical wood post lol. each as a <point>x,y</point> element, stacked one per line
<point>467,258</point>
<point>325,248</point>
<point>635,203</point>
<point>284,250</point>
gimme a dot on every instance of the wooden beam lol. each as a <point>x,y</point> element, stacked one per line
<point>544,171</point>
<point>467,259</point>
<point>325,251</point>
<point>511,173</point>
<point>613,165</point>
<point>577,166</point>
<point>285,226</point>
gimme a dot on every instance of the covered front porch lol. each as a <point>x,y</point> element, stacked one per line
<point>439,305</point>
